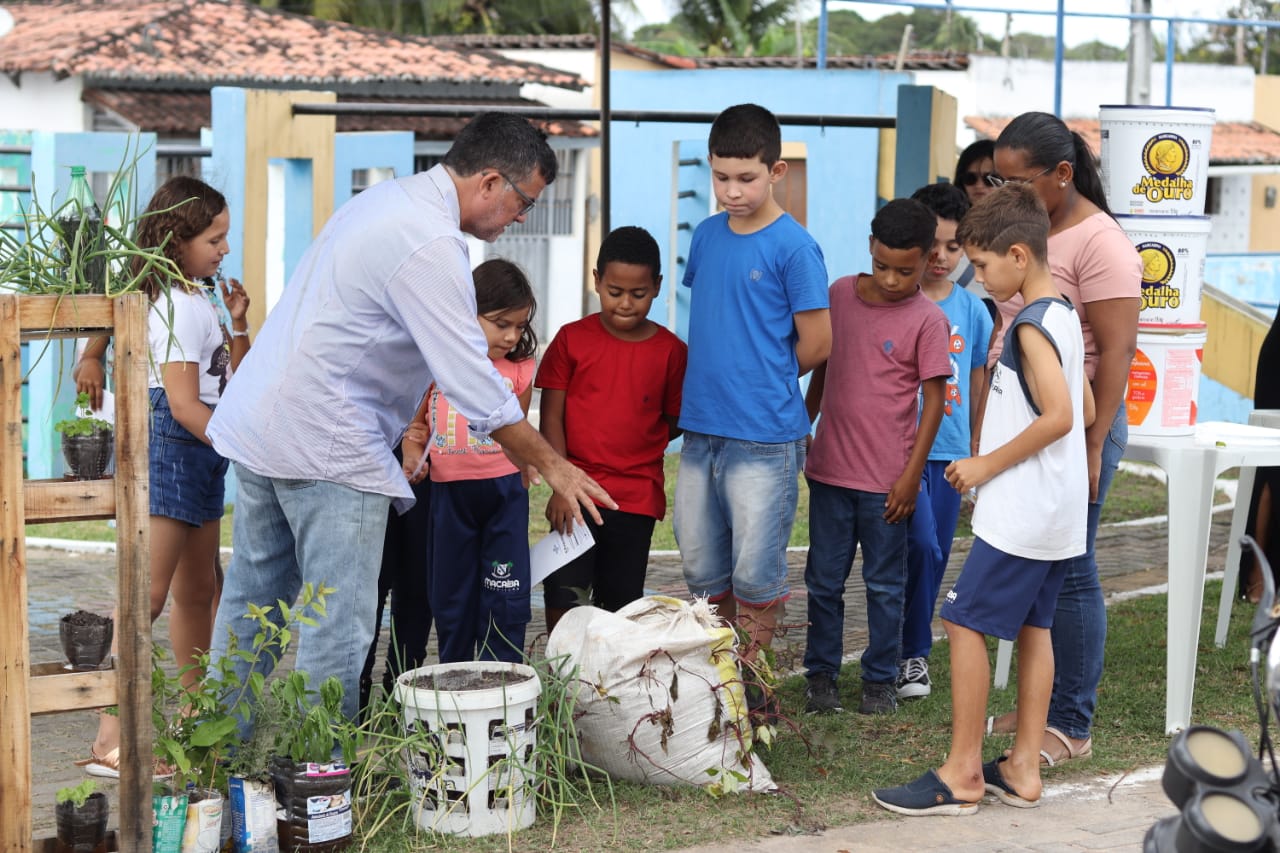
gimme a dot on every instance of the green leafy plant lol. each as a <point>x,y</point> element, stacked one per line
<point>43,257</point>
<point>82,424</point>
<point>198,727</point>
<point>77,795</point>
<point>310,722</point>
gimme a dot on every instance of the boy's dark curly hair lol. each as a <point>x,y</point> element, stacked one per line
<point>905,223</point>
<point>947,201</point>
<point>630,244</point>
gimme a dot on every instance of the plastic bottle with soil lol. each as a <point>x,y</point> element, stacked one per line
<point>80,223</point>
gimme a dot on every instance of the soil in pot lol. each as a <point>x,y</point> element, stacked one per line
<point>460,680</point>
<point>87,456</point>
<point>86,638</point>
<point>83,829</point>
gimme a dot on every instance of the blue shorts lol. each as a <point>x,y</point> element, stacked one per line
<point>997,593</point>
<point>735,503</point>
<point>188,477</point>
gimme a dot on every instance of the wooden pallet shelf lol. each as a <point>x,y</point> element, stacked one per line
<point>26,688</point>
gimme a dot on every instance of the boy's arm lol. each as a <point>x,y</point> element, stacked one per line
<point>901,500</point>
<point>1090,405</point>
<point>813,338</point>
<point>979,402</point>
<point>1047,384</point>
<point>976,377</point>
<point>673,426</point>
<point>813,397</point>
<point>551,424</point>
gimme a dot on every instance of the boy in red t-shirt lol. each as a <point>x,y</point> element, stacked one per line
<point>610,402</point>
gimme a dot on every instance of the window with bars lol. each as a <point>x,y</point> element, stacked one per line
<point>553,215</point>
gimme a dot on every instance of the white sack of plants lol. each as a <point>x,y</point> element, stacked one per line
<point>659,695</point>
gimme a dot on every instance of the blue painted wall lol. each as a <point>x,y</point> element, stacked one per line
<point>842,162</point>
<point>1252,277</point>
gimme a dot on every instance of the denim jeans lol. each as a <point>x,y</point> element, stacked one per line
<point>932,529</point>
<point>291,532</point>
<point>735,504</point>
<point>1080,623</point>
<point>840,519</point>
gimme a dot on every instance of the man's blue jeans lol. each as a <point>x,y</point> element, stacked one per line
<point>1080,622</point>
<point>840,519</point>
<point>291,532</point>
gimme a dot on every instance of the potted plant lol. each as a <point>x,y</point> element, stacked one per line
<point>313,789</point>
<point>81,813</point>
<point>86,638</point>
<point>198,726</point>
<point>86,441</point>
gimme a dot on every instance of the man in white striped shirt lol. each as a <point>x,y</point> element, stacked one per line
<point>381,305</point>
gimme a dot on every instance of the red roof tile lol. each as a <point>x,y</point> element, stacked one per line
<point>917,60</point>
<point>1234,142</point>
<point>231,41</point>
<point>183,113</point>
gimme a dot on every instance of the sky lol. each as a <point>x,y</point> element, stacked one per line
<point>1076,30</point>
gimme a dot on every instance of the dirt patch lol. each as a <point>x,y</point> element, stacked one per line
<point>461,680</point>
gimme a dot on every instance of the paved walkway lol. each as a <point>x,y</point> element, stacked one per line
<point>1131,557</point>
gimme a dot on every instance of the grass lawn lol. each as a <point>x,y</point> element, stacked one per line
<point>827,766</point>
<point>1132,496</point>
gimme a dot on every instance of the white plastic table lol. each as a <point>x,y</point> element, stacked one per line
<point>1191,470</point>
<point>1239,517</point>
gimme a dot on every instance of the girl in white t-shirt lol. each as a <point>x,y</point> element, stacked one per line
<point>192,356</point>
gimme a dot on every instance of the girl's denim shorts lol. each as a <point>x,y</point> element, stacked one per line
<point>187,475</point>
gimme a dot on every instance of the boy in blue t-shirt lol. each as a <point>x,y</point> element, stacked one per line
<point>933,526</point>
<point>758,321</point>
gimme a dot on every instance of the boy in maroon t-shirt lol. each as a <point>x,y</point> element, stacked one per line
<point>610,402</point>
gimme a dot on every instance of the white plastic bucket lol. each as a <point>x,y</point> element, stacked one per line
<point>1164,379</point>
<point>1155,161</point>
<point>478,777</point>
<point>1172,249</point>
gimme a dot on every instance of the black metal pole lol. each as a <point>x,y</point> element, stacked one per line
<point>606,134</point>
<point>553,114</point>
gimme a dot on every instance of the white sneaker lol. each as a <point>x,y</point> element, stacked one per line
<point>913,679</point>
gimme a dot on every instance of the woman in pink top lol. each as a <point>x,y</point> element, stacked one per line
<point>1096,267</point>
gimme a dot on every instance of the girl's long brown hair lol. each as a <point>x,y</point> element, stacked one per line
<point>181,209</point>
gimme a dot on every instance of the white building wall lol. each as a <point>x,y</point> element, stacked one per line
<point>578,61</point>
<point>1231,220</point>
<point>996,86</point>
<point>39,102</point>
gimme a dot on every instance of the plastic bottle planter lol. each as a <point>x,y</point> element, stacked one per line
<point>87,456</point>
<point>83,829</point>
<point>86,639</point>
<point>313,805</point>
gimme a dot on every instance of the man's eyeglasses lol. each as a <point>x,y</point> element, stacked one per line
<point>997,181</point>
<point>968,179</point>
<point>528,202</point>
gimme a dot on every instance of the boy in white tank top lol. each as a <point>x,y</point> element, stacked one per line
<point>1031,477</point>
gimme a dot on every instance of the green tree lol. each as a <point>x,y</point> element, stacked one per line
<point>453,17</point>
<point>1261,45</point>
<point>731,27</point>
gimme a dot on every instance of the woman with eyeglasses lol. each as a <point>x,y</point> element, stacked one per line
<point>975,164</point>
<point>972,169</point>
<point>1096,267</point>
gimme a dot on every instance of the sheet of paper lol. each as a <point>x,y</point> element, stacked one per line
<point>556,549</point>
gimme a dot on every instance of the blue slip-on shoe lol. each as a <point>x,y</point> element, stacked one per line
<point>928,795</point>
<point>995,784</point>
